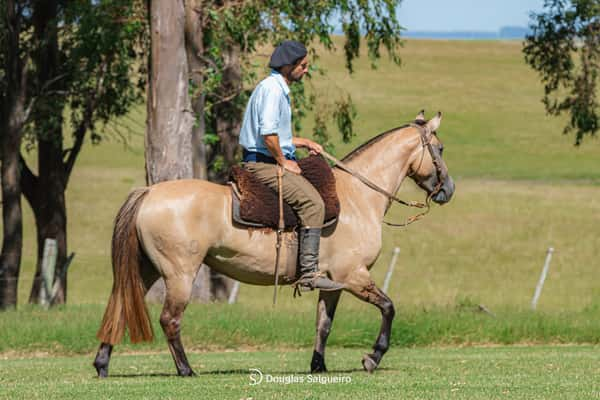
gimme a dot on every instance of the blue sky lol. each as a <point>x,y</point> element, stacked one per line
<point>465,15</point>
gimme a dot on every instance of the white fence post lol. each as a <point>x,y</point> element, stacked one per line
<point>388,276</point>
<point>234,292</point>
<point>540,284</point>
<point>48,268</point>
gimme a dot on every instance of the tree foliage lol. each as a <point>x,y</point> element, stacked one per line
<point>564,47</point>
<point>255,26</point>
<point>81,68</point>
<point>99,48</point>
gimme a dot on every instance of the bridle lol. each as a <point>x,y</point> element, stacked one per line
<point>425,136</point>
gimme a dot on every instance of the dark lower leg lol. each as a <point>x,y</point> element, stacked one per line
<point>325,312</point>
<point>382,343</point>
<point>373,295</point>
<point>102,359</point>
<point>171,324</point>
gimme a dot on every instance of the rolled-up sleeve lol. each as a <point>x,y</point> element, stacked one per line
<point>269,112</point>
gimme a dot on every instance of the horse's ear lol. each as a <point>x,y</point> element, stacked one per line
<point>420,116</point>
<point>434,123</point>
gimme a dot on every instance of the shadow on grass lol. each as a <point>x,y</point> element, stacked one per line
<point>244,372</point>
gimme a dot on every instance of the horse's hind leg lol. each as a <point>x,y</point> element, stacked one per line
<point>325,312</point>
<point>149,276</point>
<point>369,292</point>
<point>179,290</point>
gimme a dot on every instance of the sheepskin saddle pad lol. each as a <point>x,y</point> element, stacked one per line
<point>256,205</point>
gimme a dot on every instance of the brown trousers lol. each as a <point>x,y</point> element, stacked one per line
<point>297,192</point>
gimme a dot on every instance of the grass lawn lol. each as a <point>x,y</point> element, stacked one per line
<point>566,372</point>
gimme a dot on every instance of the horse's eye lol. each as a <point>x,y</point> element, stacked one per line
<point>441,150</point>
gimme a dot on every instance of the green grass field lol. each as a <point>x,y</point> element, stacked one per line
<point>521,187</point>
<point>441,373</point>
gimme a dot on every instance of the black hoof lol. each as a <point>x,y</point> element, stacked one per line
<point>369,364</point>
<point>186,372</point>
<point>101,370</point>
<point>317,364</point>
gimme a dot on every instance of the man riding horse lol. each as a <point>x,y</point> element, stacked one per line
<point>266,136</point>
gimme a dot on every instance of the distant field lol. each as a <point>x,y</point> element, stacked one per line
<point>435,373</point>
<point>521,186</point>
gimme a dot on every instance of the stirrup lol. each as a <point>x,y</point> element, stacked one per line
<point>308,282</point>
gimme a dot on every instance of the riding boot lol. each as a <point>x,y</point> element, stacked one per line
<point>308,262</point>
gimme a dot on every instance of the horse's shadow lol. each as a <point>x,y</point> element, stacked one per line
<point>239,372</point>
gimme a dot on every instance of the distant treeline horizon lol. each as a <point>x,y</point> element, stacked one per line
<point>504,33</point>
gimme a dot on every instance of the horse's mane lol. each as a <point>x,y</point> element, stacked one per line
<point>368,143</point>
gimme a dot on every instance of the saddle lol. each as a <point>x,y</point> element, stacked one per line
<point>256,205</point>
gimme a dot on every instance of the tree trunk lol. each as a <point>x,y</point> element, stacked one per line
<point>50,215</point>
<point>46,194</point>
<point>228,121</point>
<point>195,49</point>
<point>170,119</point>
<point>13,117</point>
<point>12,243</point>
<point>209,285</point>
<point>228,112</point>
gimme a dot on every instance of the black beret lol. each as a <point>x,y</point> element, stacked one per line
<point>287,53</point>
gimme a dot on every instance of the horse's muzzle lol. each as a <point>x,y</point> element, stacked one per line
<point>445,193</point>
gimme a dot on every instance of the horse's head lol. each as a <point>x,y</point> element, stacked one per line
<point>427,167</point>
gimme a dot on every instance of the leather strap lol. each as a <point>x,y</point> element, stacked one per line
<point>280,228</point>
<point>370,184</point>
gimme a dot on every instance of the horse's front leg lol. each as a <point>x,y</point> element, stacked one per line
<point>366,290</point>
<point>325,312</point>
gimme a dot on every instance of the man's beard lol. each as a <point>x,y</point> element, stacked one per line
<point>290,77</point>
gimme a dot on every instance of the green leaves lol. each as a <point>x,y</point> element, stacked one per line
<point>564,47</point>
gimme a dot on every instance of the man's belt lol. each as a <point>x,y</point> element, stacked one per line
<point>255,156</point>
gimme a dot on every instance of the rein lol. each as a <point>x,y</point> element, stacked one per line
<point>426,143</point>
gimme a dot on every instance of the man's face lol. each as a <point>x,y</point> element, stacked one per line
<point>298,70</point>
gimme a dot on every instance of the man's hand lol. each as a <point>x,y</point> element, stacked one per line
<point>292,166</point>
<point>313,147</point>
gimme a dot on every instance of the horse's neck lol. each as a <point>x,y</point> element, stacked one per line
<point>385,163</point>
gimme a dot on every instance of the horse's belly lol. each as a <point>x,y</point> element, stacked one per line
<point>253,263</point>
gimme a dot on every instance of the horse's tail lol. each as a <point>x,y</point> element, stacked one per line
<point>126,306</point>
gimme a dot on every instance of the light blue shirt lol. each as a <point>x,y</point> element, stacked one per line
<point>268,112</point>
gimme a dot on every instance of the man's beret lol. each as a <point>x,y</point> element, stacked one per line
<point>287,53</point>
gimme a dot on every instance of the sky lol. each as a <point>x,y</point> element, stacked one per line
<point>465,15</point>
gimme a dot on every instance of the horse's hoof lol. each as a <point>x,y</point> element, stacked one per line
<point>318,363</point>
<point>187,372</point>
<point>101,370</point>
<point>369,364</point>
<point>317,369</point>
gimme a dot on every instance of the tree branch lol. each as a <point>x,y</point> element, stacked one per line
<point>84,125</point>
<point>29,184</point>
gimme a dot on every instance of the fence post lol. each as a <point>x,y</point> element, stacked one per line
<point>540,284</point>
<point>234,292</point>
<point>388,276</point>
<point>48,268</point>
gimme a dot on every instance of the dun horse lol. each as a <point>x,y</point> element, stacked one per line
<point>169,229</point>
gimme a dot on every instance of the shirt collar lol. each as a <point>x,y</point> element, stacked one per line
<point>281,81</point>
